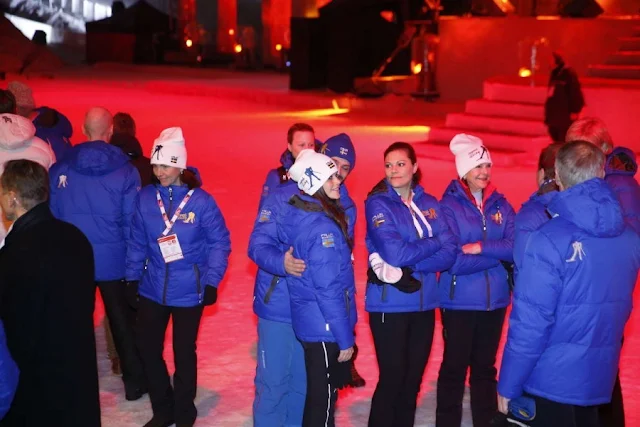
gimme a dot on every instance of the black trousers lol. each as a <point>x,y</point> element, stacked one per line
<point>170,403</point>
<point>612,414</point>
<point>558,131</point>
<point>122,320</point>
<point>320,403</point>
<point>554,414</point>
<point>471,339</point>
<point>403,343</point>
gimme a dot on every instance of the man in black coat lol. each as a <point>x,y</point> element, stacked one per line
<point>47,297</point>
<point>564,101</point>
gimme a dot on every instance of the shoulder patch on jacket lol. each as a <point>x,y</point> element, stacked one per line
<point>377,220</point>
<point>265,215</point>
<point>328,241</point>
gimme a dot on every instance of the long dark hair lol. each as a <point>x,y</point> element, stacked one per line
<point>187,177</point>
<point>334,210</point>
<point>411,154</point>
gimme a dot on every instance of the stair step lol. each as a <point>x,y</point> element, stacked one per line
<point>499,158</point>
<point>636,31</point>
<point>484,107</point>
<point>629,43</point>
<point>496,124</point>
<point>631,72</point>
<point>515,93</point>
<point>508,143</point>
<point>624,57</point>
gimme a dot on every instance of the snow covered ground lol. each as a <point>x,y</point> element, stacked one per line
<point>234,144</point>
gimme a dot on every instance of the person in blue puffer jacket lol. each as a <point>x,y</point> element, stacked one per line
<point>176,258</point>
<point>94,188</point>
<point>533,212</point>
<point>54,128</point>
<point>280,373</point>
<point>280,383</point>
<point>474,292</point>
<point>408,235</point>
<point>620,169</point>
<point>8,375</point>
<point>569,310</point>
<point>323,309</point>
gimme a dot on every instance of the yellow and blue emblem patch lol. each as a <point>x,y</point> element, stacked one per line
<point>377,220</point>
<point>328,241</point>
<point>265,215</point>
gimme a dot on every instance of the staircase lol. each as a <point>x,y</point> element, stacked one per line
<point>509,118</point>
<point>624,63</point>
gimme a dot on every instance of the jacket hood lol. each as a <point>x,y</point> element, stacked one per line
<point>592,207</point>
<point>621,161</point>
<point>51,121</point>
<point>96,158</point>
<point>127,143</point>
<point>543,199</point>
<point>286,159</point>
<point>15,131</point>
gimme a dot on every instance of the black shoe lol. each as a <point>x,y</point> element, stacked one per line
<point>185,424</point>
<point>159,422</point>
<point>134,393</point>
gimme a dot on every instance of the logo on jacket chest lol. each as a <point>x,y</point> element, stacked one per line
<point>62,181</point>
<point>430,214</point>
<point>187,218</point>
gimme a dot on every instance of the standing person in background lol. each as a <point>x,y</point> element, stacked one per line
<point>572,299</point>
<point>176,258</point>
<point>323,308</point>
<point>47,300</point>
<point>564,98</point>
<point>124,137</point>
<point>409,242</point>
<point>280,381</point>
<point>474,292</point>
<point>533,212</point>
<point>94,188</point>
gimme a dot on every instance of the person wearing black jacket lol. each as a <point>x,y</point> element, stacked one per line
<point>564,99</point>
<point>124,137</point>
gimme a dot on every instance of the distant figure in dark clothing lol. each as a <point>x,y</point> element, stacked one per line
<point>124,137</point>
<point>564,99</point>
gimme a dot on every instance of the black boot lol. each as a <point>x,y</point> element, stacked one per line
<point>356,379</point>
<point>159,422</point>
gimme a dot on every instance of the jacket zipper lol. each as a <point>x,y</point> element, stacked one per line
<point>272,287</point>
<point>486,272</point>
<point>196,270</point>
<point>452,287</point>
<point>166,265</point>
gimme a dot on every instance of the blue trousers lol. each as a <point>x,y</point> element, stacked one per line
<point>281,379</point>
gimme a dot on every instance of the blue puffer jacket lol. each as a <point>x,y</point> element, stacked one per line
<point>270,294</point>
<point>392,234</point>
<point>477,282</point>
<point>620,170</point>
<point>54,128</point>
<point>529,218</point>
<point>323,306</point>
<point>203,237</point>
<point>277,176</point>
<point>572,300</point>
<point>94,188</point>
<point>8,375</point>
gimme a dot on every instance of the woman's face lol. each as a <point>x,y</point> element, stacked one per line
<point>479,177</point>
<point>399,169</point>
<point>167,175</point>
<point>332,187</point>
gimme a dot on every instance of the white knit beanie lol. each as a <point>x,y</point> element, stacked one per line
<point>169,149</point>
<point>469,151</point>
<point>311,170</point>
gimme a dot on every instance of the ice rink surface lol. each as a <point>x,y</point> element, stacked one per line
<point>234,144</point>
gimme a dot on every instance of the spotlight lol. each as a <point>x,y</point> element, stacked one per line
<point>416,68</point>
<point>231,31</point>
<point>189,43</point>
<point>524,72</point>
<point>237,48</point>
<point>278,47</point>
<point>288,63</point>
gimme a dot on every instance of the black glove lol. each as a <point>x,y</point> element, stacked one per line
<point>407,284</point>
<point>131,293</point>
<point>210,295</point>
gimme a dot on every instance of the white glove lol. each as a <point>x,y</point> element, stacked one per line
<point>385,272</point>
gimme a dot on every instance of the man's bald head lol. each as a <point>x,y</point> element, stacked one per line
<point>98,124</point>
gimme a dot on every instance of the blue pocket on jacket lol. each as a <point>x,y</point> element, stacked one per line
<point>523,408</point>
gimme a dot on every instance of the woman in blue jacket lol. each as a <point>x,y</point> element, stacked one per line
<point>178,253</point>
<point>323,309</point>
<point>474,292</point>
<point>406,234</point>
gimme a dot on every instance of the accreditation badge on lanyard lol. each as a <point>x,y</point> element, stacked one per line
<point>169,243</point>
